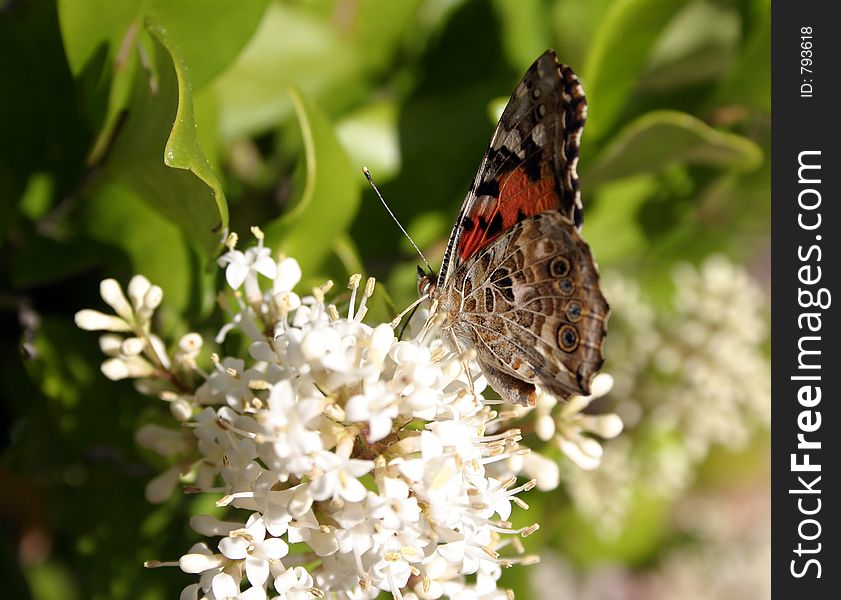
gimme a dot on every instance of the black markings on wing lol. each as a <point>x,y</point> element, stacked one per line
<point>495,226</point>
<point>488,187</point>
<point>562,119</point>
<point>549,95</point>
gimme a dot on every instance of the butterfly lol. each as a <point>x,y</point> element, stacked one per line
<point>518,284</point>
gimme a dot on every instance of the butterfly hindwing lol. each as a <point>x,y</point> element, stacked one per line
<point>533,308</point>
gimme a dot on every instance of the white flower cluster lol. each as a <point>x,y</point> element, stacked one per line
<point>714,351</point>
<point>364,463</point>
<point>687,380</point>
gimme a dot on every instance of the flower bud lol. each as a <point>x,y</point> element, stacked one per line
<point>93,320</point>
<point>113,295</point>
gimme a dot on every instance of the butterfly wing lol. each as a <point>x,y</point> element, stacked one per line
<point>534,310</point>
<point>530,165</point>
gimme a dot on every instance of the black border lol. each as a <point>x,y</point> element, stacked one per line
<point>805,124</point>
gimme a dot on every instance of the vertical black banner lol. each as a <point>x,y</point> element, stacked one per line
<point>806,109</point>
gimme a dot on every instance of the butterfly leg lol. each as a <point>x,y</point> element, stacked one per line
<point>511,389</point>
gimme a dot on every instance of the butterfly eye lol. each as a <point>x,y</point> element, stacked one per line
<point>568,338</point>
<point>559,266</point>
<point>426,282</point>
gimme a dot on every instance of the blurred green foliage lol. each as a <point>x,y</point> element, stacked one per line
<point>134,133</point>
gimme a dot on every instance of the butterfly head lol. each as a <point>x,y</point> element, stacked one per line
<point>427,283</point>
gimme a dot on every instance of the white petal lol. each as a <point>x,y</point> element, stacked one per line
<point>253,593</point>
<point>132,346</point>
<point>160,350</point>
<point>323,544</point>
<point>152,299</point>
<point>235,274</point>
<point>113,295</point>
<point>190,343</point>
<point>379,427</point>
<point>453,552</point>
<point>266,266</point>
<point>273,548</point>
<point>181,410</point>
<point>574,453</point>
<point>542,469</point>
<point>412,469</point>
<point>162,440</point>
<point>602,384</point>
<point>358,468</point>
<point>544,427</point>
<point>423,399</point>
<point>224,586</point>
<point>198,563</point>
<point>288,274</point>
<point>257,570</point>
<point>261,351</point>
<point>233,548</point>
<point>380,343</point>
<point>314,345</point>
<point>352,490</point>
<point>109,344</point>
<point>122,368</point>
<point>210,526</point>
<point>590,447</point>
<point>137,288</point>
<point>191,592</point>
<point>93,320</point>
<point>431,445</point>
<point>357,409</point>
<point>395,488</point>
<point>161,487</point>
<point>607,426</point>
<point>115,369</point>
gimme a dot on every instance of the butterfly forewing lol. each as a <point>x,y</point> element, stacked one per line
<point>530,165</point>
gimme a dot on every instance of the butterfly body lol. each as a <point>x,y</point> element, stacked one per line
<point>518,283</point>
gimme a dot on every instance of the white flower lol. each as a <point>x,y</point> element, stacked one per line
<point>251,545</point>
<point>339,477</point>
<point>243,267</point>
<point>571,424</point>
<point>294,584</point>
<point>377,458</point>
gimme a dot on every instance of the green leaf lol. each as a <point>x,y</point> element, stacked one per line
<point>158,156</point>
<point>699,45</point>
<point>100,37</point>
<point>749,81</point>
<point>370,137</point>
<point>525,30</point>
<point>39,260</point>
<point>291,47</point>
<point>661,138</point>
<point>619,55</point>
<point>330,198</point>
<point>379,26</point>
<point>611,225</point>
<point>86,26</point>
<point>155,246</point>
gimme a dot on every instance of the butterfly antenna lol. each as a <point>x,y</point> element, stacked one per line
<point>380,196</point>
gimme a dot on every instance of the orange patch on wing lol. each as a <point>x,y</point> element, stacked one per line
<point>519,197</point>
